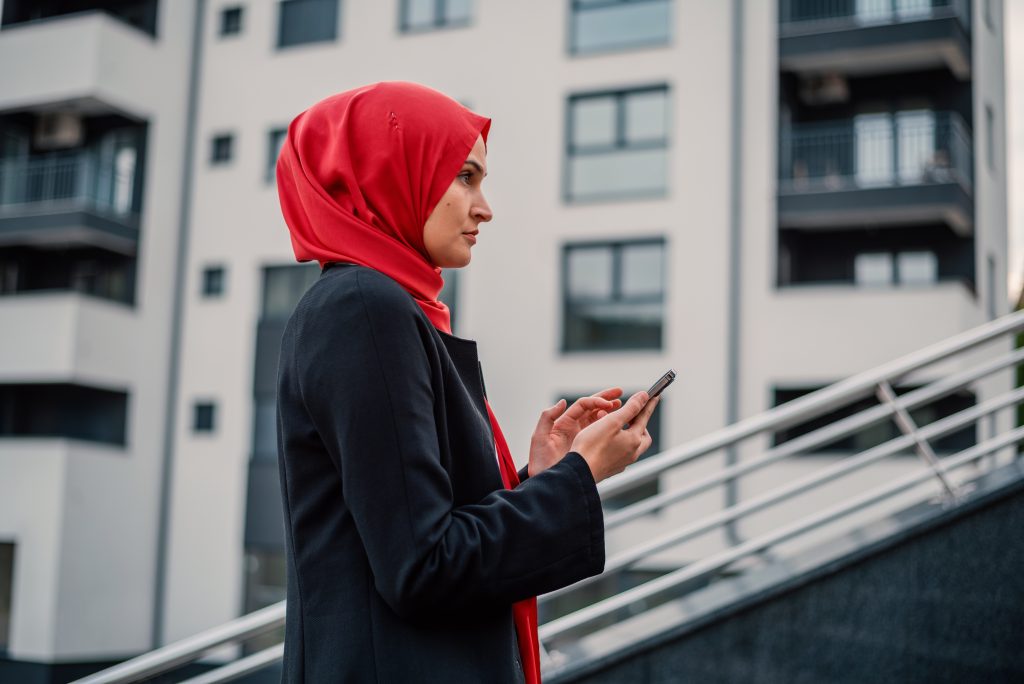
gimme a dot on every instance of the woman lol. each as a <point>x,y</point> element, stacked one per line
<point>414,548</point>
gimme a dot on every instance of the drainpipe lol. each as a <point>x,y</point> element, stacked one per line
<point>732,383</point>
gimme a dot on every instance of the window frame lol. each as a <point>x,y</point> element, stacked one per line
<point>274,151</point>
<point>336,34</point>
<point>219,138</point>
<point>617,246</point>
<point>199,427</point>
<point>620,143</point>
<point>571,33</point>
<point>225,12</point>
<point>441,20</point>
<point>208,272</point>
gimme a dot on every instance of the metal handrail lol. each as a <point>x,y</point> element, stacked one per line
<point>844,467</point>
<point>191,648</point>
<point>810,405</point>
<point>718,561</point>
<point>822,435</point>
<point>791,413</point>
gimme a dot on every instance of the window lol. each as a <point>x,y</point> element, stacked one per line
<point>599,25</point>
<point>283,286</point>
<point>617,144</point>
<point>307,21</point>
<point>220,152</point>
<point>203,417</point>
<point>63,411</point>
<point>231,21</point>
<point>450,292</point>
<point>213,281</point>
<point>916,268</point>
<point>418,15</point>
<point>891,268</point>
<point>882,431</point>
<point>265,428</point>
<point>6,591</point>
<point>613,295</point>
<point>275,140</point>
<point>873,269</point>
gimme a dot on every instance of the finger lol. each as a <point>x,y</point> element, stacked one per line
<point>586,404</point>
<point>631,408</point>
<point>609,393</point>
<point>548,416</point>
<point>640,422</point>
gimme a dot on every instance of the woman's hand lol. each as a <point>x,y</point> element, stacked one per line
<point>607,447</point>
<point>558,427</point>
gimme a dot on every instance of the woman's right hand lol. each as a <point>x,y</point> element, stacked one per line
<point>606,447</point>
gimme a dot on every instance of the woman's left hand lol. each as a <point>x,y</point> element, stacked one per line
<point>558,427</point>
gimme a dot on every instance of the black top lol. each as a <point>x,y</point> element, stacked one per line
<point>404,551</point>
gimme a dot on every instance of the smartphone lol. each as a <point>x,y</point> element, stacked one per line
<point>658,387</point>
<point>663,382</point>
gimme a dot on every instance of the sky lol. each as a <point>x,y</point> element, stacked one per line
<point>1014,41</point>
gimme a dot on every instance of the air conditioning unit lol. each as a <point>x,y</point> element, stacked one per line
<point>824,89</point>
<point>57,130</point>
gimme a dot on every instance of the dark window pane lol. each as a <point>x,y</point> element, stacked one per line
<point>203,417</point>
<point>265,429</point>
<point>450,292</point>
<point>617,25</point>
<point>231,21</point>
<point>276,139</point>
<point>283,286</point>
<point>213,281</point>
<point>307,21</point>
<point>221,150</point>
<point>882,431</point>
<point>63,411</point>
<point>6,592</point>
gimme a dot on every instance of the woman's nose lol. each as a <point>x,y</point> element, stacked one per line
<point>482,211</point>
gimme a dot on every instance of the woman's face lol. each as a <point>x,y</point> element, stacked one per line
<point>451,230</point>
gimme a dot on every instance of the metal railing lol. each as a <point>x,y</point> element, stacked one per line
<point>919,147</point>
<point>801,17</point>
<point>66,178</point>
<point>977,365</point>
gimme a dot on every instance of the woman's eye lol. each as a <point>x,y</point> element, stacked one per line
<point>466,175</point>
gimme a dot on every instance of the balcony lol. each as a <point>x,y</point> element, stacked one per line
<point>66,337</point>
<point>140,14</point>
<point>885,169</point>
<point>90,61</point>
<point>70,199</point>
<point>870,37</point>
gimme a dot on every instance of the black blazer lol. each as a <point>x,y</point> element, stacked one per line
<point>404,551</point>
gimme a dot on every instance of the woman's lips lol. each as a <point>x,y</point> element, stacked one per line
<point>471,237</point>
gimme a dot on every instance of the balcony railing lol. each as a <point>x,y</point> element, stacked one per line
<point>69,179</point>
<point>906,148</point>
<point>798,17</point>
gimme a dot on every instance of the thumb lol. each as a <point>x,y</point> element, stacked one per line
<point>632,408</point>
<point>548,415</point>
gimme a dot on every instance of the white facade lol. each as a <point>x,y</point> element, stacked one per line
<point>510,63</point>
<point>84,517</point>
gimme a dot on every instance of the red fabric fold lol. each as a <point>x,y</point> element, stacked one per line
<point>358,176</point>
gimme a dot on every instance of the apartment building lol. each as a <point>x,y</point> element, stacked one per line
<point>767,197</point>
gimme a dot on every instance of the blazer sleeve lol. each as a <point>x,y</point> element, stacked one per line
<point>364,374</point>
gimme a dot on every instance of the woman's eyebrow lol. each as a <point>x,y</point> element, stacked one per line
<point>478,167</point>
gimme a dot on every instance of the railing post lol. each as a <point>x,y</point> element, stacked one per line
<point>907,426</point>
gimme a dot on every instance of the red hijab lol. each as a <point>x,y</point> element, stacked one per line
<point>358,175</point>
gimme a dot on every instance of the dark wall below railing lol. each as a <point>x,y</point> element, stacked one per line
<point>946,605</point>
